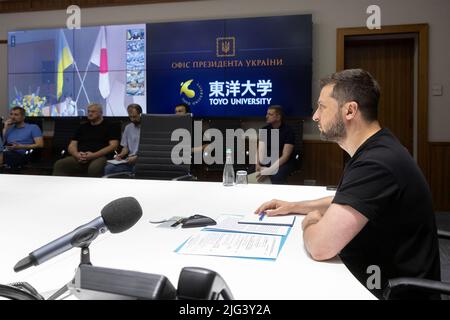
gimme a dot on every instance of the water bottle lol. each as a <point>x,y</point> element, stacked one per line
<point>228,170</point>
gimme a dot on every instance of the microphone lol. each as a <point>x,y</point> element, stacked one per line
<point>117,216</point>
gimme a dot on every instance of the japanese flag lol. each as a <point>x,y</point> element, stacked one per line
<point>99,57</point>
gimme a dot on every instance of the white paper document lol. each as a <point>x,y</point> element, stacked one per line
<point>265,220</point>
<point>231,223</point>
<point>114,161</point>
<point>231,244</point>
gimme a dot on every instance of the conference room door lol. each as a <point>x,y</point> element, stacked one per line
<point>391,60</point>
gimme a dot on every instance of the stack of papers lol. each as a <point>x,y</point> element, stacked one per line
<point>229,238</point>
<point>226,244</point>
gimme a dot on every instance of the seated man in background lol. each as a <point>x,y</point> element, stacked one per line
<point>275,172</point>
<point>182,108</point>
<point>381,220</point>
<point>19,138</point>
<point>89,147</point>
<point>129,143</point>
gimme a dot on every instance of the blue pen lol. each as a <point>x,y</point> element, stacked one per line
<point>261,216</point>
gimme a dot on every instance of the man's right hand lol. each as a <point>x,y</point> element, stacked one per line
<point>9,122</point>
<point>276,207</point>
<point>258,169</point>
<point>80,156</point>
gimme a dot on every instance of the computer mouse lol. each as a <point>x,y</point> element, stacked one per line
<point>198,220</point>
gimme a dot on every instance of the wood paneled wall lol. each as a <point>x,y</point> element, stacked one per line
<point>421,31</point>
<point>9,6</point>
<point>391,62</point>
<point>322,162</point>
<point>439,175</point>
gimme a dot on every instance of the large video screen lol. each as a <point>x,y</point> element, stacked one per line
<point>220,68</point>
<point>232,67</point>
<point>58,72</point>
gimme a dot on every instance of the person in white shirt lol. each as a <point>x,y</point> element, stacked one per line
<point>129,143</point>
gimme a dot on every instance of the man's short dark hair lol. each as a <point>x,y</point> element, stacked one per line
<point>185,105</point>
<point>21,110</point>
<point>136,107</point>
<point>355,85</point>
<point>278,109</point>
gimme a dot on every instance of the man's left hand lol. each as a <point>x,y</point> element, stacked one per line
<point>131,159</point>
<point>89,156</point>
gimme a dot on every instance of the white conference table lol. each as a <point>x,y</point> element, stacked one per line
<point>38,209</point>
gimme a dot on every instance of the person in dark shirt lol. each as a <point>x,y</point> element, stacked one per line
<point>89,147</point>
<point>381,220</point>
<point>270,168</point>
<point>182,109</point>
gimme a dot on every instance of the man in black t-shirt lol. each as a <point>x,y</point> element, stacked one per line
<point>271,168</point>
<point>381,220</point>
<point>89,147</point>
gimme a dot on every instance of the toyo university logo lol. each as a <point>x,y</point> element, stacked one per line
<point>191,92</point>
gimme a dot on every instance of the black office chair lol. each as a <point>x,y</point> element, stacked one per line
<point>34,156</point>
<point>64,129</point>
<point>155,148</point>
<point>63,132</point>
<point>154,159</point>
<point>425,285</point>
<point>297,126</point>
<point>222,125</point>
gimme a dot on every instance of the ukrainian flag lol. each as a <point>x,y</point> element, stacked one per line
<point>65,59</point>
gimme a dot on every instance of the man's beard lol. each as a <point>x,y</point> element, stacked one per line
<point>336,132</point>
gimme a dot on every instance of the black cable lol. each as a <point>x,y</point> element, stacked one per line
<point>19,291</point>
<point>161,221</point>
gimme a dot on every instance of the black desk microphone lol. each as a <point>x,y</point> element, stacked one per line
<point>117,216</point>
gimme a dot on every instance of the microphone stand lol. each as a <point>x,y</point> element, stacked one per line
<point>85,259</point>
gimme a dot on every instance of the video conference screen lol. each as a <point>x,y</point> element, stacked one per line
<point>220,68</point>
<point>58,72</point>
